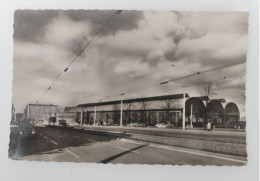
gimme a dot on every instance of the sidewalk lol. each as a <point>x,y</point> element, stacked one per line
<point>225,142</point>
<point>169,132</point>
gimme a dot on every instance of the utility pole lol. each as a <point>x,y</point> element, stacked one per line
<point>28,112</point>
<point>191,116</point>
<point>81,117</point>
<point>183,113</point>
<point>121,114</point>
<point>95,115</point>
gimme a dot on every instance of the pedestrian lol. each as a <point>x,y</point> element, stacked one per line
<point>211,125</point>
<point>208,126</point>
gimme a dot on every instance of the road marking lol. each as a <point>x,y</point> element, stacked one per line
<point>54,142</point>
<point>72,153</point>
<point>40,134</point>
<point>186,151</point>
<point>45,137</point>
<point>200,154</point>
<point>130,141</point>
<point>92,140</point>
<point>76,137</point>
<point>127,149</point>
<point>66,134</point>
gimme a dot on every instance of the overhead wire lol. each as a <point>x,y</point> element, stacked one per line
<point>140,87</point>
<point>76,57</point>
<point>224,78</point>
<point>179,78</point>
<point>154,35</point>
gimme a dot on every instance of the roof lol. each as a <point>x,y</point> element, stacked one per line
<point>220,100</point>
<point>42,105</point>
<point>203,98</point>
<point>155,98</point>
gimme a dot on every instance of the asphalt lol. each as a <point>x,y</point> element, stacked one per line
<point>67,145</point>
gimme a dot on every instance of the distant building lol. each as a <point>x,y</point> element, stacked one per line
<point>13,114</point>
<point>69,117</point>
<point>40,112</point>
<point>19,117</point>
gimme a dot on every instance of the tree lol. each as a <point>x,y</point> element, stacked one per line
<point>130,107</point>
<point>169,105</point>
<point>115,114</point>
<point>208,90</point>
<point>144,105</point>
<point>242,94</point>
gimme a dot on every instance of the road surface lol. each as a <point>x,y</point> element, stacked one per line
<point>61,145</point>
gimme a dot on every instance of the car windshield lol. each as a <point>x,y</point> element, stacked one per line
<point>27,125</point>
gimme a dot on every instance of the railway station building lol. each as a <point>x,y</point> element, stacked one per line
<point>168,109</point>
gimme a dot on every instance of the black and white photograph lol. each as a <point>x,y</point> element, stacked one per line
<point>129,87</point>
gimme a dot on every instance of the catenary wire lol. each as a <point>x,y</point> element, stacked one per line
<point>76,57</point>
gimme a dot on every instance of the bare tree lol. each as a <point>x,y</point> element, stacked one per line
<point>208,90</point>
<point>115,114</point>
<point>169,105</point>
<point>242,94</point>
<point>144,106</point>
<point>130,107</point>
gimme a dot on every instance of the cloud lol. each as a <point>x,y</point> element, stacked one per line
<point>212,49</point>
<point>126,55</point>
<point>132,67</point>
<point>29,24</point>
<point>66,33</point>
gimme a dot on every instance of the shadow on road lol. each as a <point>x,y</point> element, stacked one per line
<point>57,138</point>
<point>107,160</point>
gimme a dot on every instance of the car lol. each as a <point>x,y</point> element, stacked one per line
<point>26,129</point>
<point>132,125</point>
<point>63,123</point>
<point>141,125</point>
<point>169,125</point>
<point>106,123</point>
<point>161,125</point>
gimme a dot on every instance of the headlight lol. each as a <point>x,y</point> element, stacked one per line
<point>21,132</point>
<point>33,132</point>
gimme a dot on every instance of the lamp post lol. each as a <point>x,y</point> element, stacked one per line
<point>121,114</point>
<point>95,115</point>
<point>183,114</point>
<point>191,116</point>
<point>121,111</point>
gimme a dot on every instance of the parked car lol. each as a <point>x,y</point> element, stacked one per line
<point>161,125</point>
<point>106,123</point>
<point>169,125</point>
<point>133,125</point>
<point>141,125</point>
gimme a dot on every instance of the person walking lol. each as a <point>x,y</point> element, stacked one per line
<point>208,126</point>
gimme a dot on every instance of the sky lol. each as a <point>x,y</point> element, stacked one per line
<point>132,55</point>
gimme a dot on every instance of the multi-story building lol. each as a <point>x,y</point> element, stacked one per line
<point>40,112</point>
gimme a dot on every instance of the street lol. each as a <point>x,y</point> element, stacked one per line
<point>64,145</point>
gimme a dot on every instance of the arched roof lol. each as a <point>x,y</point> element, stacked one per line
<point>231,109</point>
<point>198,107</point>
<point>215,107</point>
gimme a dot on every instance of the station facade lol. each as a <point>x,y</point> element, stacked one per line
<point>168,109</point>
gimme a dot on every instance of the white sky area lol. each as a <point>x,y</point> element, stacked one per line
<point>125,57</point>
